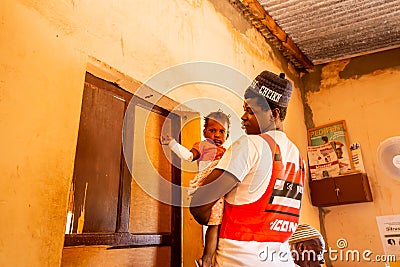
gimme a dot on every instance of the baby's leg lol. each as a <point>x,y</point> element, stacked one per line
<point>211,238</point>
<point>210,245</point>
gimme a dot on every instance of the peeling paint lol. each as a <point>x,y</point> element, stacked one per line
<point>330,73</point>
<point>311,83</point>
<point>326,76</point>
<point>371,64</point>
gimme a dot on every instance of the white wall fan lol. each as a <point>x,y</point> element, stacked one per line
<point>388,155</point>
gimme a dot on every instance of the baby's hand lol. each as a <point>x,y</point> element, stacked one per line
<point>165,140</point>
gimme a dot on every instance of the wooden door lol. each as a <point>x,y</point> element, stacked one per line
<point>108,206</point>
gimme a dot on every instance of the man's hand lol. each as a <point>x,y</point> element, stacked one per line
<point>217,184</point>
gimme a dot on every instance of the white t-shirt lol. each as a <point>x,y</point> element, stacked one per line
<point>249,159</point>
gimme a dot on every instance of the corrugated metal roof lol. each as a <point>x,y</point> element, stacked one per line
<point>334,29</point>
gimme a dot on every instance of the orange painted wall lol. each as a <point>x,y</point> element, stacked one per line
<point>365,93</point>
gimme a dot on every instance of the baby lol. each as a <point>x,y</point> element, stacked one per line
<point>207,153</point>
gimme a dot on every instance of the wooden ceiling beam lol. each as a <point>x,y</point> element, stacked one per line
<point>256,9</point>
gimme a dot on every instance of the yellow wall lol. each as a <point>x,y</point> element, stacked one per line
<point>44,50</point>
<point>41,78</point>
<point>365,93</point>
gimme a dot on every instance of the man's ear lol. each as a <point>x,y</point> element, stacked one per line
<point>300,247</point>
<point>204,132</point>
<point>275,113</point>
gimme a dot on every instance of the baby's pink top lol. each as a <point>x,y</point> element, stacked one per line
<point>209,151</point>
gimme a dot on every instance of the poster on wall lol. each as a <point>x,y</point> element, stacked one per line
<point>322,161</point>
<point>334,134</point>
<point>389,231</point>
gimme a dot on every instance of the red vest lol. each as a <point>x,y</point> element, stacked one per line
<point>273,217</point>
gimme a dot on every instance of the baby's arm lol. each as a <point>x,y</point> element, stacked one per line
<point>181,151</point>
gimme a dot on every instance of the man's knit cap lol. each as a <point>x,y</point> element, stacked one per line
<point>304,232</point>
<point>274,88</point>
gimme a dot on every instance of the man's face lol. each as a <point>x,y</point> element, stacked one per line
<point>255,120</point>
<point>311,253</point>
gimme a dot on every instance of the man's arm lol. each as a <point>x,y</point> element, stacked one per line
<point>217,184</point>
